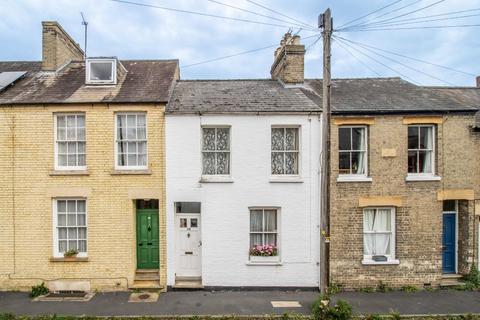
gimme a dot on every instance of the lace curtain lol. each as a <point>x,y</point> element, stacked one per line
<point>377,231</point>
<point>263,227</point>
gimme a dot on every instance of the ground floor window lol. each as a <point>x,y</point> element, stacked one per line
<point>70,223</point>
<point>263,232</point>
<point>379,234</point>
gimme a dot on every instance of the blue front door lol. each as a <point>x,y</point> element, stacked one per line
<point>448,260</point>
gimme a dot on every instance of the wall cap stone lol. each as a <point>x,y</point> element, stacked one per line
<point>456,194</point>
<point>380,201</point>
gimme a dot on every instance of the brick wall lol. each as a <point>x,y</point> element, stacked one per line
<point>27,188</point>
<point>288,65</point>
<point>58,47</point>
<point>418,219</point>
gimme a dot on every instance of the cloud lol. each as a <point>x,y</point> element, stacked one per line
<point>134,32</point>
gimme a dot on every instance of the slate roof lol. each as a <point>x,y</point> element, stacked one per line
<point>394,95</point>
<point>237,96</point>
<point>145,81</point>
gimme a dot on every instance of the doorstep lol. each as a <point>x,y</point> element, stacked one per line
<point>188,283</point>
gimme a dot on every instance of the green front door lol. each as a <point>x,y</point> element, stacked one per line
<point>147,239</point>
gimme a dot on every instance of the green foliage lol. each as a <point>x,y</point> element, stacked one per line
<point>340,311</point>
<point>394,315</point>
<point>372,316</point>
<point>70,253</point>
<point>409,288</point>
<point>367,290</point>
<point>334,288</point>
<point>472,280</point>
<point>383,287</point>
<point>39,290</point>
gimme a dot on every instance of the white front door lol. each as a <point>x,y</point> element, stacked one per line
<point>188,245</point>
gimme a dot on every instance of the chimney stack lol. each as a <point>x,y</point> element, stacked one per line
<point>288,63</point>
<point>58,47</point>
<point>478,82</point>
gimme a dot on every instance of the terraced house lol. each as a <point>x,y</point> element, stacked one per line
<point>405,183</point>
<point>83,169</point>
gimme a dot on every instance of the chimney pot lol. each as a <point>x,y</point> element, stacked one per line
<point>288,65</point>
<point>478,82</point>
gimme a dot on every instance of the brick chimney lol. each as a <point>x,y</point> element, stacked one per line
<point>478,82</point>
<point>288,64</point>
<point>58,47</point>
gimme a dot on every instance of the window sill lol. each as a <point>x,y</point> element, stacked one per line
<point>216,179</point>
<point>369,262</point>
<point>264,261</point>
<point>63,259</point>
<point>131,172</point>
<point>69,173</point>
<point>285,179</point>
<point>422,177</point>
<point>353,178</point>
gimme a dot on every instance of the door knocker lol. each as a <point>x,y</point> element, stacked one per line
<point>188,235</point>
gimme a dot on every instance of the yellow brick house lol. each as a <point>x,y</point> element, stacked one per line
<point>83,169</point>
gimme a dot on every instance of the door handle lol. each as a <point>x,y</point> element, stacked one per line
<point>200,243</point>
<point>149,243</point>
<point>444,248</point>
<point>140,244</point>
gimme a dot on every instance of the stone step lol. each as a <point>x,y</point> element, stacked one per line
<point>147,276</point>
<point>146,284</point>
<point>147,271</point>
<point>445,283</point>
<point>188,284</point>
<point>451,276</point>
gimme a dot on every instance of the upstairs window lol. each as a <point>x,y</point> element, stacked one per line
<point>285,150</point>
<point>352,149</point>
<point>131,141</point>
<point>421,149</point>
<point>70,142</point>
<point>101,71</point>
<point>216,150</point>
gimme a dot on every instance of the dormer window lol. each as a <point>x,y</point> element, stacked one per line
<point>101,71</point>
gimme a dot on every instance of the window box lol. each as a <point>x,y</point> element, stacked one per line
<point>264,259</point>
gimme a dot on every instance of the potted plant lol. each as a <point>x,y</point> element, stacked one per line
<point>70,254</point>
<point>267,253</point>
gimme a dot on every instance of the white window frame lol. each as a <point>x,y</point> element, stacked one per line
<point>114,71</point>
<point>298,151</point>
<point>353,177</point>
<point>56,251</point>
<point>274,259</point>
<point>116,141</point>
<point>55,143</point>
<point>424,176</point>
<point>212,177</point>
<point>391,258</point>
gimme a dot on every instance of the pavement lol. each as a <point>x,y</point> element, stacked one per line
<point>441,302</point>
<point>244,303</point>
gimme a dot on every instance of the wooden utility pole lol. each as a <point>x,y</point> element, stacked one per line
<point>325,22</point>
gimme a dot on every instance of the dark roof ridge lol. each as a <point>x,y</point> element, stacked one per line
<point>450,87</point>
<point>226,80</point>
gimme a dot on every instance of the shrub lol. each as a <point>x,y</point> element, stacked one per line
<point>472,279</point>
<point>383,287</point>
<point>409,288</point>
<point>342,310</point>
<point>334,288</point>
<point>39,290</point>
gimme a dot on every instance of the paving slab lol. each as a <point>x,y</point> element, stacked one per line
<point>413,303</point>
<point>246,303</point>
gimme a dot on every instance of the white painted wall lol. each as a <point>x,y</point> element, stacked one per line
<point>225,213</point>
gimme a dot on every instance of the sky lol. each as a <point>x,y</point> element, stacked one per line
<point>137,32</point>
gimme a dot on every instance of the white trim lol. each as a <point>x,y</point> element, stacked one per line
<point>55,143</point>
<point>367,259</point>
<point>56,251</point>
<point>363,177</point>
<point>422,177</point>
<point>114,71</point>
<point>115,141</point>
<point>353,178</point>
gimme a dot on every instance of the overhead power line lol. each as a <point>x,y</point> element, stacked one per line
<point>407,57</point>
<point>279,13</point>
<point>200,13</point>
<point>403,64</point>
<point>258,14</point>
<point>237,54</point>
<point>406,14</point>
<point>411,28</point>
<point>385,14</point>
<point>356,58</point>
<point>377,61</point>
<point>369,14</point>
<point>426,17</point>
